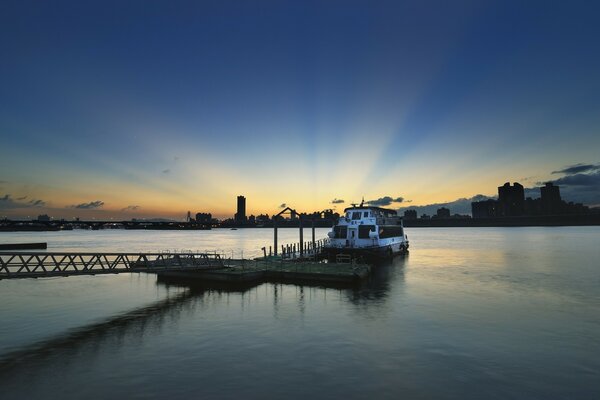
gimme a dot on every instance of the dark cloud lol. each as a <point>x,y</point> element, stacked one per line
<point>130,208</point>
<point>337,201</point>
<point>166,171</point>
<point>580,183</point>
<point>37,203</point>
<point>592,180</point>
<point>385,201</point>
<point>89,206</point>
<point>7,202</point>
<point>458,206</point>
<point>283,205</point>
<point>577,169</point>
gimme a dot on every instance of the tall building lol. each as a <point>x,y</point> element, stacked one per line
<point>203,218</point>
<point>240,216</point>
<point>410,214</point>
<point>511,200</point>
<point>551,201</point>
<point>484,208</point>
<point>443,212</point>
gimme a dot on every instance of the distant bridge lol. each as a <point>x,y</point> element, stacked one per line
<point>41,265</point>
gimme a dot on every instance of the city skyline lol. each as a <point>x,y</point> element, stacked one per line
<point>136,111</point>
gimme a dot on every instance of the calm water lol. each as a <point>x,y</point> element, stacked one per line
<point>470,313</point>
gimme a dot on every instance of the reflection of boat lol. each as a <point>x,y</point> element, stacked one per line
<point>370,232</point>
<point>234,229</point>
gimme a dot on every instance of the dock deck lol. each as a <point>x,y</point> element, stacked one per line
<point>195,267</point>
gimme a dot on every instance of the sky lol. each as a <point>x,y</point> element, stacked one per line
<point>137,109</point>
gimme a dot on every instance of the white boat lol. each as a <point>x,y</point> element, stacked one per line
<point>368,232</point>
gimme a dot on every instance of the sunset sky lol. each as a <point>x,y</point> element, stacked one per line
<point>150,109</point>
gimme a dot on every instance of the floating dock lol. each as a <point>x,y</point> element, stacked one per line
<point>193,267</point>
<point>258,271</point>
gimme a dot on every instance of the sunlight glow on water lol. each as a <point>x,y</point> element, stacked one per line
<point>470,313</point>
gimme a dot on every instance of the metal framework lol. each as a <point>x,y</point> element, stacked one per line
<point>39,265</point>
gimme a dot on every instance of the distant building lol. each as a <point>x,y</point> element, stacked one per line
<point>204,218</point>
<point>532,207</point>
<point>443,212</point>
<point>511,200</point>
<point>240,216</point>
<point>410,214</point>
<point>550,199</point>
<point>484,209</point>
<point>43,218</point>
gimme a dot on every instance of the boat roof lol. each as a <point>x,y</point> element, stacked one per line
<point>388,210</point>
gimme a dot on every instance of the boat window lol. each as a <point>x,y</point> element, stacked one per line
<point>340,232</point>
<point>348,215</point>
<point>366,214</point>
<point>390,231</point>
<point>356,215</point>
<point>363,231</point>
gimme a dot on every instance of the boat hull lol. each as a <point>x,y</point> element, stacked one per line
<point>367,253</point>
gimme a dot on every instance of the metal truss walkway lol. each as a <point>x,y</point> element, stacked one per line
<point>41,265</point>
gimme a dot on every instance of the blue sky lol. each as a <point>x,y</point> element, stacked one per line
<point>156,108</point>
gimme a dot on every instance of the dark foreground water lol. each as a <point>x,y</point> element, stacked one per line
<point>470,313</point>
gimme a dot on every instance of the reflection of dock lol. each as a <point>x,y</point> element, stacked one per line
<point>207,267</point>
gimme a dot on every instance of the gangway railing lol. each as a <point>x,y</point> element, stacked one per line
<point>48,264</point>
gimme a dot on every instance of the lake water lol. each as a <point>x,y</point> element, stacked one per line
<point>469,313</point>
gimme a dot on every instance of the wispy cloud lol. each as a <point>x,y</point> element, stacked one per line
<point>577,169</point>
<point>458,206</point>
<point>337,201</point>
<point>166,171</point>
<point>591,180</point>
<point>130,208</point>
<point>385,201</point>
<point>8,202</point>
<point>89,206</point>
<point>37,203</point>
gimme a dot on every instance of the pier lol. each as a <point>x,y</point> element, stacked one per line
<point>15,265</point>
<point>196,267</point>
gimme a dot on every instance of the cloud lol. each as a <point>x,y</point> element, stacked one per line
<point>580,183</point>
<point>89,206</point>
<point>458,206</point>
<point>283,205</point>
<point>577,169</point>
<point>130,208</point>
<point>37,203</point>
<point>385,201</point>
<point>337,201</point>
<point>7,202</point>
<point>166,171</point>
<point>579,180</point>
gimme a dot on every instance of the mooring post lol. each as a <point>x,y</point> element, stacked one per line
<point>275,234</point>
<point>313,234</point>
<point>301,238</point>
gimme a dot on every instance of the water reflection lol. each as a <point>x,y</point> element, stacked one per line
<point>137,323</point>
<point>385,276</point>
<point>90,338</point>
